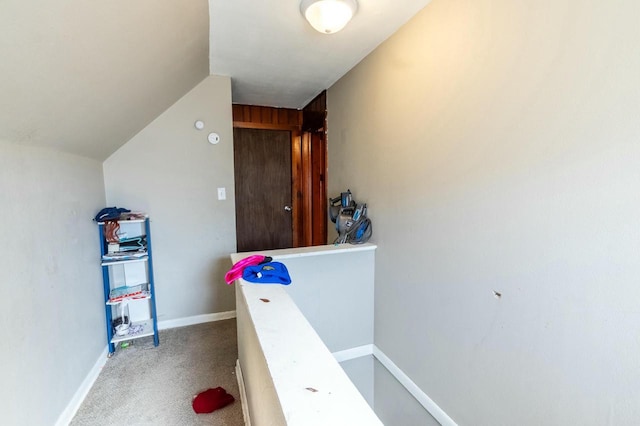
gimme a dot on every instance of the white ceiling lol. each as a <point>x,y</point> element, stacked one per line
<point>275,58</point>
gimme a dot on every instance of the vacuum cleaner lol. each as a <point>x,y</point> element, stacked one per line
<point>351,219</point>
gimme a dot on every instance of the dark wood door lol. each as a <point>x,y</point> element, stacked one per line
<point>262,164</point>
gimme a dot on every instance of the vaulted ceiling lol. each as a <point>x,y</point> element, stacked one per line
<point>84,77</point>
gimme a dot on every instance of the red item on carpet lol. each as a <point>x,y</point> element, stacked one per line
<point>211,400</point>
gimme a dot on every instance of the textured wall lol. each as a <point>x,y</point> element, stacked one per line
<point>52,319</point>
<point>172,172</point>
<point>496,143</point>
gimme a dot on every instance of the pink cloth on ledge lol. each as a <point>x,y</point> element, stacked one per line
<point>236,270</point>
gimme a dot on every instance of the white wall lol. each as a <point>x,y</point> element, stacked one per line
<point>52,319</point>
<point>170,171</point>
<point>337,292</point>
<point>496,142</point>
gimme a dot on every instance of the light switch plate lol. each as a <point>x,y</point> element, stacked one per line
<point>222,194</point>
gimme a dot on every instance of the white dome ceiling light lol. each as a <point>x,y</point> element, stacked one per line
<point>328,16</point>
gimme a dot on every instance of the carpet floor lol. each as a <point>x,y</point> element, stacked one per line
<point>145,385</point>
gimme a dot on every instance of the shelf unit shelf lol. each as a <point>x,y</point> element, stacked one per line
<point>107,262</point>
<point>147,330</point>
<point>150,325</point>
<point>127,221</point>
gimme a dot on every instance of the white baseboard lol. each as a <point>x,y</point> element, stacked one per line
<point>196,319</point>
<point>353,353</point>
<point>78,397</point>
<point>424,400</point>
<point>243,395</point>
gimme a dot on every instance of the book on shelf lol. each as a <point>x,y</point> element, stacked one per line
<point>124,255</point>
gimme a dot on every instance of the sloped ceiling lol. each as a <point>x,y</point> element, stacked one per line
<point>275,58</point>
<point>85,76</point>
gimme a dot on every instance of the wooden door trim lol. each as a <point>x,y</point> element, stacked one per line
<point>264,126</point>
<point>318,202</point>
<point>297,188</point>
<point>307,193</point>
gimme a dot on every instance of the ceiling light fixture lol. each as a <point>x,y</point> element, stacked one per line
<point>328,16</point>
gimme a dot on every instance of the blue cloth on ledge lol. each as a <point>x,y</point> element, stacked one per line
<point>267,273</point>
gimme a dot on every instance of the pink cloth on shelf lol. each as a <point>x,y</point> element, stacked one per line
<point>236,270</point>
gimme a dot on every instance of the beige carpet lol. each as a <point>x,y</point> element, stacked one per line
<point>145,385</point>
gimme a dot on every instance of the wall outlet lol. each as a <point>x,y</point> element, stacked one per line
<point>222,194</point>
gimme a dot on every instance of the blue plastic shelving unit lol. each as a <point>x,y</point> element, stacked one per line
<point>150,327</point>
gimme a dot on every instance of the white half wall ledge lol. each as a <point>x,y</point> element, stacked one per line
<point>286,383</point>
<point>268,315</point>
<point>196,319</point>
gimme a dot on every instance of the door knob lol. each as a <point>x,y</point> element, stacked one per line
<point>287,208</point>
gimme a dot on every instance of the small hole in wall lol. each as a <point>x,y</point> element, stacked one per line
<point>497,294</point>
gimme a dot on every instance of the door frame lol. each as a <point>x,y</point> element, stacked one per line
<point>299,182</point>
<point>304,229</point>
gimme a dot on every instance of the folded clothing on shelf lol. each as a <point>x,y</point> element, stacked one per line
<point>120,293</point>
<point>110,213</point>
<point>133,244</point>
<point>124,255</point>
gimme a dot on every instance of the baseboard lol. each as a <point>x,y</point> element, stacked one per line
<point>424,400</point>
<point>196,319</point>
<point>78,397</point>
<point>243,395</point>
<point>353,353</point>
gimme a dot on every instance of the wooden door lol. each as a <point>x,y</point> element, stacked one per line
<point>262,164</point>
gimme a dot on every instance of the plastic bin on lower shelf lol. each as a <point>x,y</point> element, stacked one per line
<point>147,330</point>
